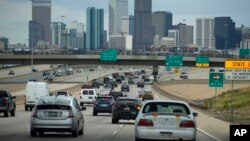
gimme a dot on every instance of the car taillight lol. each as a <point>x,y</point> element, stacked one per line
<point>138,107</point>
<point>5,102</point>
<point>145,122</point>
<point>34,114</point>
<point>187,124</point>
<point>71,115</point>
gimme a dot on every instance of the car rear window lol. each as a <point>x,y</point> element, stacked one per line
<point>104,99</point>
<point>127,101</point>
<point>166,107</point>
<point>55,101</point>
<point>91,92</point>
<point>3,94</point>
<point>61,93</point>
<point>57,107</point>
<point>85,92</point>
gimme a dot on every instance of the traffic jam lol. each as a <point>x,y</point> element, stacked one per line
<point>154,119</point>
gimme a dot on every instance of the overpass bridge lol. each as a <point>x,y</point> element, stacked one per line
<point>95,59</point>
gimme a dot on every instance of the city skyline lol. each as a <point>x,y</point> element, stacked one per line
<point>76,11</point>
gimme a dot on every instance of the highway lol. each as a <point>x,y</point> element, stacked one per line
<point>97,128</point>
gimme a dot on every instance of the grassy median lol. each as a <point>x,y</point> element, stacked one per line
<point>238,100</point>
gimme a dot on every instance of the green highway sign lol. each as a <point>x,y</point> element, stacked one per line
<point>216,79</point>
<point>244,52</point>
<point>109,55</point>
<point>202,61</point>
<point>172,60</point>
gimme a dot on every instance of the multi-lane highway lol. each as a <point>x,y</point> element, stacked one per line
<point>97,128</point>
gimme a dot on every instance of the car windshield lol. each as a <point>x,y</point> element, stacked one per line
<point>127,101</point>
<point>166,107</point>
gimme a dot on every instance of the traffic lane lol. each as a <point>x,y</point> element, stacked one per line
<point>202,123</point>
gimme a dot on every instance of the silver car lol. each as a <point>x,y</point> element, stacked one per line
<point>57,114</point>
<point>165,120</point>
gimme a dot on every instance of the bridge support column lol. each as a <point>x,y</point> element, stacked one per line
<point>155,73</point>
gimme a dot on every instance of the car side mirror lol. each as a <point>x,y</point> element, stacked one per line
<point>83,108</point>
<point>13,97</point>
<point>195,114</point>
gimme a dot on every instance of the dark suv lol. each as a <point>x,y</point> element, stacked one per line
<point>103,104</point>
<point>7,103</point>
<point>125,108</point>
<point>116,95</point>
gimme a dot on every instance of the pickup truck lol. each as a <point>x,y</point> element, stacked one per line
<point>7,103</point>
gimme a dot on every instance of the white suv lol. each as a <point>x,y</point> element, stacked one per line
<point>87,96</point>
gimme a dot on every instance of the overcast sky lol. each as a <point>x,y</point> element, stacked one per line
<point>15,14</point>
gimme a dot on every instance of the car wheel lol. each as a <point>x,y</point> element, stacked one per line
<point>81,131</point>
<point>26,108</point>
<point>95,113</point>
<point>41,133</point>
<point>115,120</point>
<point>33,133</point>
<point>81,104</point>
<point>6,113</point>
<point>13,112</point>
<point>75,133</point>
<point>31,108</point>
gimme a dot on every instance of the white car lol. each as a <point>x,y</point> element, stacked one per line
<point>87,96</point>
<point>105,92</point>
<point>165,120</point>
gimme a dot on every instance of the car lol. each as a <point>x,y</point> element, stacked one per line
<point>165,120</point>
<point>184,75</point>
<point>7,103</point>
<point>140,84</point>
<point>143,72</point>
<point>108,86</point>
<point>33,92</point>
<point>79,70</point>
<point>116,94</point>
<point>212,70</point>
<point>118,79</point>
<point>125,87</point>
<point>11,72</point>
<point>105,79</point>
<point>69,71</point>
<point>100,83</point>
<point>112,82</point>
<point>103,104</point>
<point>105,92</point>
<point>87,96</point>
<point>125,108</point>
<point>57,114</point>
<point>34,69</point>
<point>147,80</point>
<point>130,80</point>
<point>63,93</point>
<point>95,84</point>
<point>86,86</point>
<point>91,69</point>
<point>115,75</point>
<point>45,73</point>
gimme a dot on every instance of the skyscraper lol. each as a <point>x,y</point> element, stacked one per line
<point>144,31</point>
<point>205,33</point>
<point>95,28</point>
<point>128,24</point>
<point>185,34</point>
<point>4,43</point>
<point>35,33</point>
<point>162,22</point>
<point>175,35</point>
<point>117,9</point>
<point>41,13</point>
<point>224,30</point>
<point>59,34</point>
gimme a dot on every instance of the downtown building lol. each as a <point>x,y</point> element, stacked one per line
<point>59,35</point>
<point>40,26</point>
<point>224,32</point>
<point>117,10</point>
<point>94,29</point>
<point>205,38</point>
<point>144,31</point>
<point>4,43</point>
<point>162,22</point>
<point>128,25</point>
<point>77,38</point>
<point>174,33</point>
<point>186,34</point>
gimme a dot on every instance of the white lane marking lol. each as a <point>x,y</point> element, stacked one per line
<point>121,126</point>
<point>114,132</point>
<point>211,136</point>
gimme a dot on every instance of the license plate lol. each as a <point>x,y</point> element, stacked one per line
<point>104,105</point>
<point>166,134</point>
<point>126,108</point>
<point>52,114</point>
